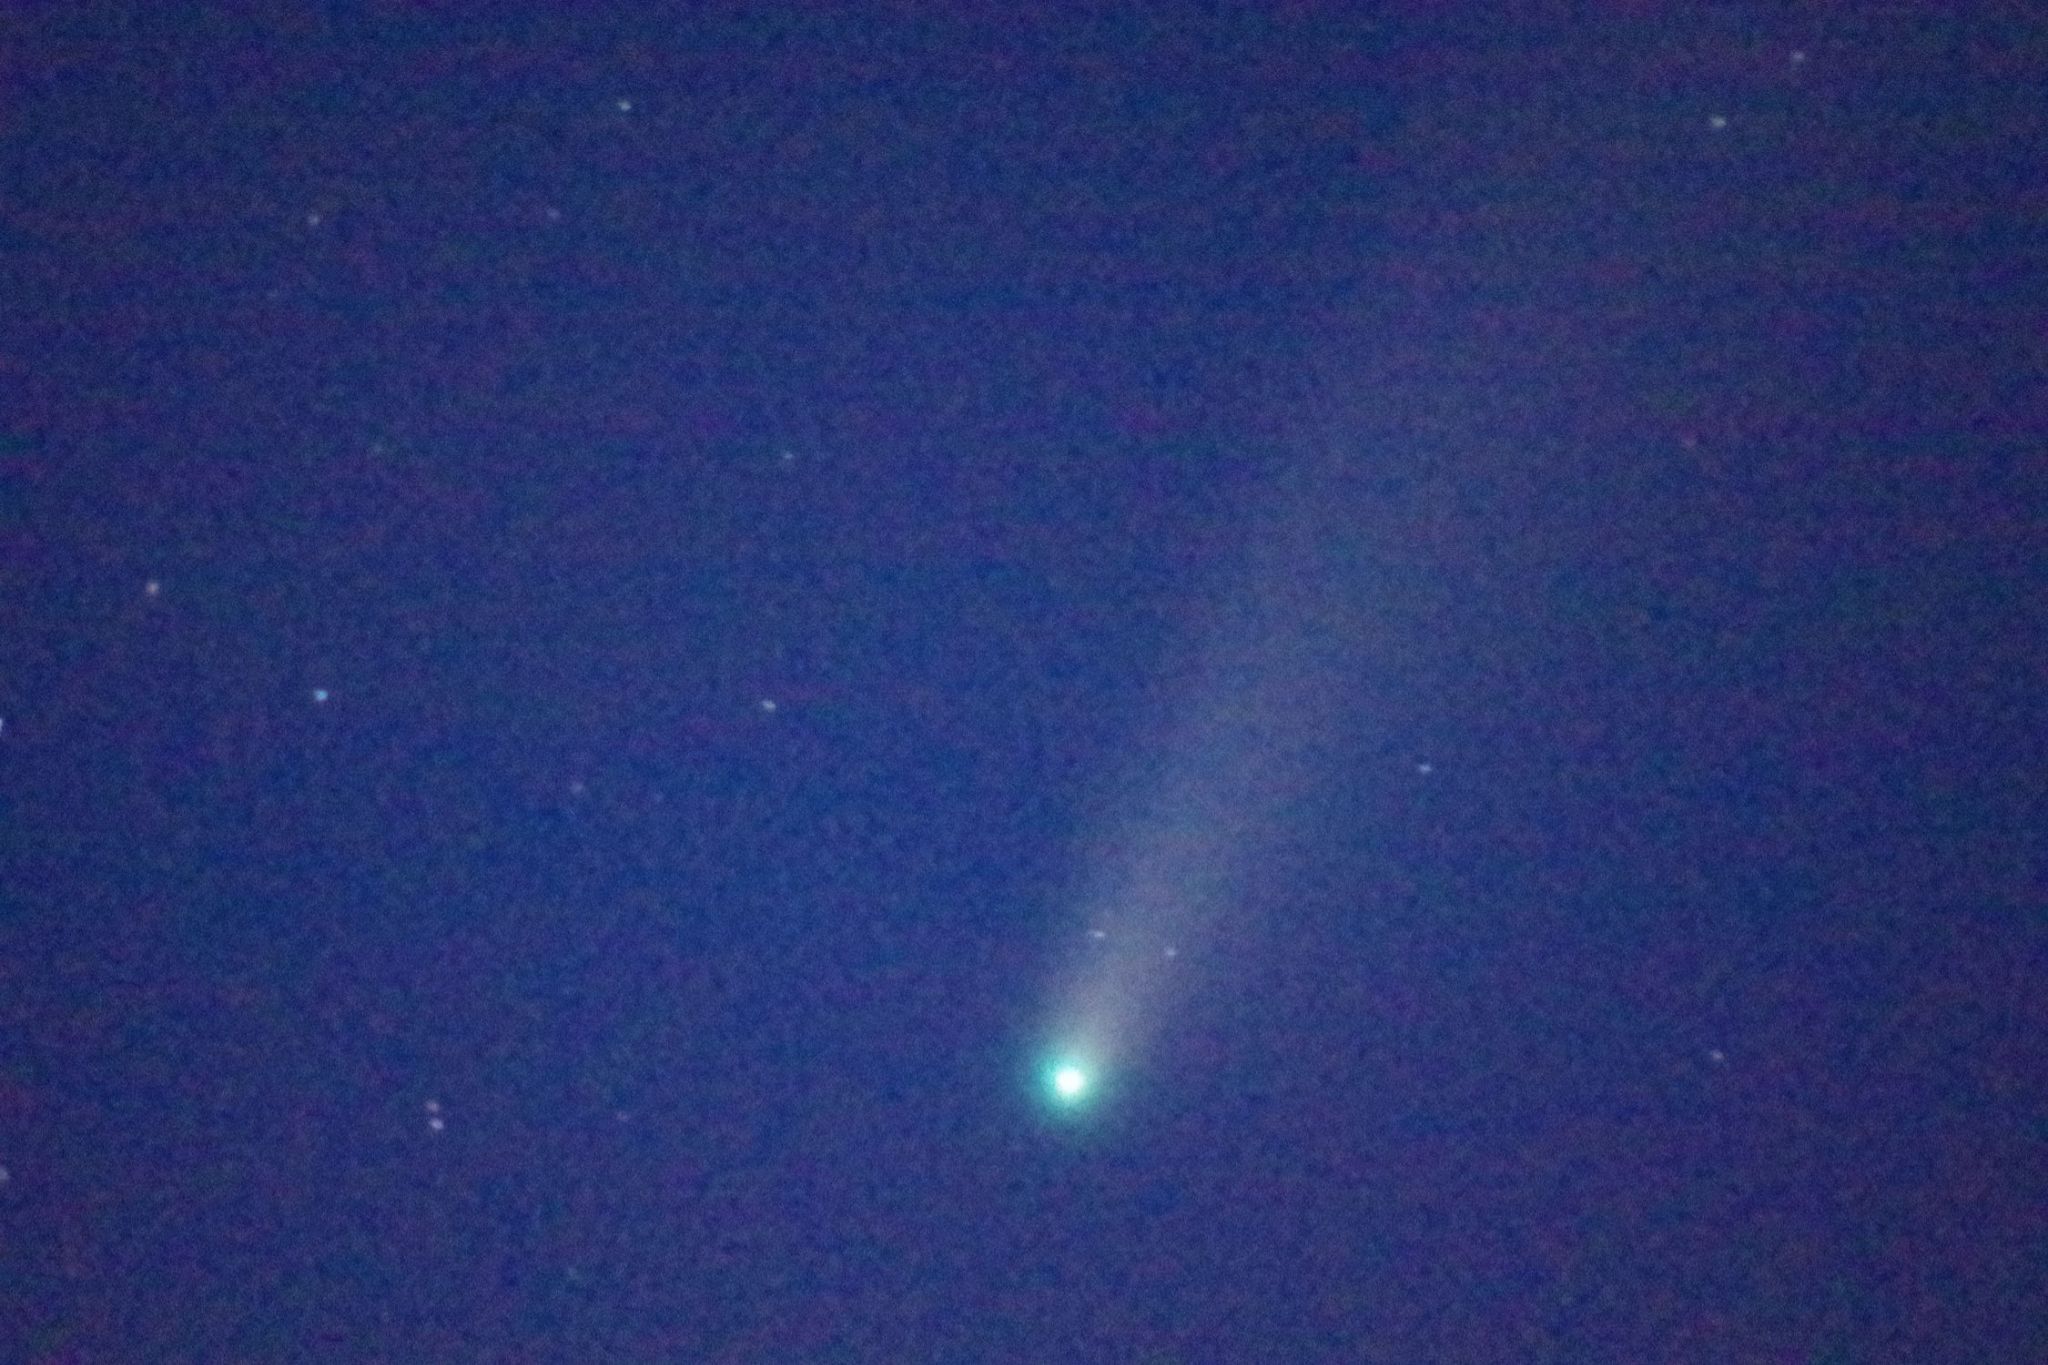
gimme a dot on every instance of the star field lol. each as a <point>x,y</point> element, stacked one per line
<point>582,584</point>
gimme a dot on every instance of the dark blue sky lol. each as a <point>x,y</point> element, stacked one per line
<point>579,583</point>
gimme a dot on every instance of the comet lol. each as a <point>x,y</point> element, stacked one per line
<point>1181,841</point>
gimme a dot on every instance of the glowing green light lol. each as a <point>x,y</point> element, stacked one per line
<point>1069,1082</point>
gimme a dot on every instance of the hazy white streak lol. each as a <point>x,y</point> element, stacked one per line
<point>1265,690</point>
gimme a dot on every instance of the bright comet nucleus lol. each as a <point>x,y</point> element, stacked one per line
<point>1069,1082</point>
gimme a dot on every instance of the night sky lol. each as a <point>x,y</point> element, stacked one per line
<point>583,587</point>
